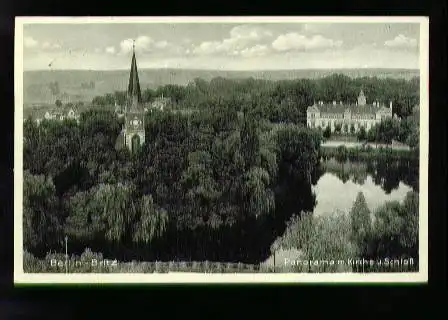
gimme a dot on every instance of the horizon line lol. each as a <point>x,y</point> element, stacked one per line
<point>233,70</point>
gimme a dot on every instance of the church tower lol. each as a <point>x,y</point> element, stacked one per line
<point>134,126</point>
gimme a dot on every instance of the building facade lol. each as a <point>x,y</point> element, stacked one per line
<point>347,116</point>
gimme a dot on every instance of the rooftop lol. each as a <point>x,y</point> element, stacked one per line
<point>341,108</point>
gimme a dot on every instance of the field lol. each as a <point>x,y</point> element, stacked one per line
<point>83,85</point>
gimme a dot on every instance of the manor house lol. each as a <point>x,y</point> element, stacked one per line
<point>357,115</point>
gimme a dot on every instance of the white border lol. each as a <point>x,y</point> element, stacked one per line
<point>27,278</point>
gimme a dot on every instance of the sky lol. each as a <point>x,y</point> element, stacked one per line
<point>225,46</point>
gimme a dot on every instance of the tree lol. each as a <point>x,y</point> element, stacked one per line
<point>58,103</point>
<point>372,134</point>
<point>395,229</point>
<point>388,130</point>
<point>152,223</point>
<point>352,129</point>
<point>98,101</point>
<point>120,97</point>
<point>84,222</point>
<point>413,139</point>
<point>117,210</point>
<point>317,239</point>
<point>41,219</point>
<point>54,88</point>
<point>338,127</point>
<point>327,132</point>
<point>362,135</point>
<point>256,191</point>
<point>360,223</point>
<point>148,95</point>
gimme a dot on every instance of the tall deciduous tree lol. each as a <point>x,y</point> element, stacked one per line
<point>360,223</point>
<point>324,241</point>
<point>152,223</point>
<point>395,229</point>
<point>117,210</point>
<point>41,219</point>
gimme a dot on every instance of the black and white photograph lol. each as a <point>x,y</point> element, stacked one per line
<point>224,149</point>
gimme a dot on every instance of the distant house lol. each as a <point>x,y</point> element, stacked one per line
<point>59,115</point>
<point>71,114</point>
<point>359,115</point>
<point>160,103</point>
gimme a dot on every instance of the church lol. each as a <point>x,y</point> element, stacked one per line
<point>132,135</point>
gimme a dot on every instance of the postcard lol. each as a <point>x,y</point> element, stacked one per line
<point>221,150</point>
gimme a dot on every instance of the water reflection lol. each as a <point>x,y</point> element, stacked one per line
<point>339,182</point>
<point>386,173</point>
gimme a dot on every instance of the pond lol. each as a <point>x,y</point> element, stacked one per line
<point>380,181</point>
<point>338,184</point>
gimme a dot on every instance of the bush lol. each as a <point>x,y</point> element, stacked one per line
<point>352,129</point>
<point>338,127</point>
<point>196,267</point>
<point>327,132</point>
<point>341,153</point>
<point>173,266</point>
<point>183,266</point>
<point>362,135</point>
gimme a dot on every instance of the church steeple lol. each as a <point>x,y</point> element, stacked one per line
<point>134,95</point>
<point>134,126</point>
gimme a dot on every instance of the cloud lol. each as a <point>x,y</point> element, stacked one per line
<point>29,42</point>
<point>249,32</point>
<point>50,46</point>
<point>110,50</point>
<point>161,44</point>
<point>142,44</point>
<point>255,51</point>
<point>297,42</point>
<point>401,42</point>
<point>315,27</point>
<point>145,44</point>
<point>242,39</point>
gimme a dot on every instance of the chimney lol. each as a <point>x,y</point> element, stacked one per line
<point>390,104</point>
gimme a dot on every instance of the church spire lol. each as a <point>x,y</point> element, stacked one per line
<point>134,92</point>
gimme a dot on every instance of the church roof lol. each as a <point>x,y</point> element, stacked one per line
<point>134,96</point>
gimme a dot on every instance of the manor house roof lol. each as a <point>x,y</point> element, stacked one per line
<point>341,108</point>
